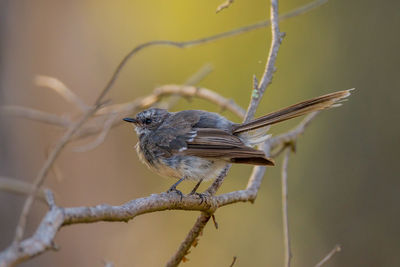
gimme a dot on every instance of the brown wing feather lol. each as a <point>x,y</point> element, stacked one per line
<point>314,104</point>
<point>215,143</point>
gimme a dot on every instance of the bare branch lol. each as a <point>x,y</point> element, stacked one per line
<point>270,66</point>
<point>102,136</point>
<point>332,253</point>
<point>291,136</point>
<point>35,115</point>
<point>183,249</point>
<point>61,89</point>
<point>200,41</point>
<point>16,186</point>
<point>182,90</point>
<point>233,261</point>
<point>285,214</point>
<point>50,198</point>
<point>57,217</point>
<point>200,223</point>
<point>224,5</point>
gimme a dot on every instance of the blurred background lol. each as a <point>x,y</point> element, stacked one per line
<point>343,180</point>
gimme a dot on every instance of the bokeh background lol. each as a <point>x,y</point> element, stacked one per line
<point>343,181</point>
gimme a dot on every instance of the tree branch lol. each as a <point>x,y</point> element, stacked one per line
<point>61,89</point>
<point>332,253</point>
<point>285,216</point>
<point>57,217</point>
<point>203,40</point>
<point>35,115</point>
<point>255,100</point>
<point>289,138</point>
<point>19,187</point>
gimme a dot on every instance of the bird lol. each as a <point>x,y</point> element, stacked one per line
<point>197,145</point>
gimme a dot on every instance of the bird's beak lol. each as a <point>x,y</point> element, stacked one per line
<point>131,120</point>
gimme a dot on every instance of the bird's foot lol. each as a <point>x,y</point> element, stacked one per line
<point>173,189</point>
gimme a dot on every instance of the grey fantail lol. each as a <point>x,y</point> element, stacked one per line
<point>197,145</point>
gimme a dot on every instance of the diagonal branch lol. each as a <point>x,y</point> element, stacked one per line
<point>255,180</point>
<point>289,138</point>
<point>332,253</point>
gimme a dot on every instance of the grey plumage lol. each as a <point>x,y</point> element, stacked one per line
<point>196,144</point>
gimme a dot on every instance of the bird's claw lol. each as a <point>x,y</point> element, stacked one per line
<point>202,196</point>
<point>176,191</point>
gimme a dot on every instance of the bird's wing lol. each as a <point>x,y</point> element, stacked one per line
<point>177,135</point>
<point>218,144</point>
<point>175,132</point>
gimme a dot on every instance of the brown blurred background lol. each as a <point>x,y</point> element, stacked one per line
<point>343,181</point>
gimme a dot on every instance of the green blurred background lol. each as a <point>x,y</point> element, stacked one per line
<point>343,181</point>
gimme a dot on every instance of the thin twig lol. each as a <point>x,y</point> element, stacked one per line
<point>115,118</point>
<point>102,136</point>
<point>224,5</point>
<point>61,122</point>
<point>50,199</point>
<point>35,115</point>
<point>60,88</point>
<point>292,135</point>
<point>233,261</point>
<point>19,187</point>
<point>266,79</point>
<point>156,96</point>
<point>285,214</point>
<point>332,253</point>
<point>187,91</point>
<point>190,238</point>
<point>200,223</point>
<point>204,40</point>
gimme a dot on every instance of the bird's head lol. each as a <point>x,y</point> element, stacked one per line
<point>148,120</point>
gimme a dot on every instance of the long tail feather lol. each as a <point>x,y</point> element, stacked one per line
<point>318,103</point>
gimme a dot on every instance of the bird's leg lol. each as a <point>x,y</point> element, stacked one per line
<point>196,187</point>
<point>173,188</point>
<point>202,196</point>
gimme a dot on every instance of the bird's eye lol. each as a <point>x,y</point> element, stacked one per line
<point>147,121</point>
